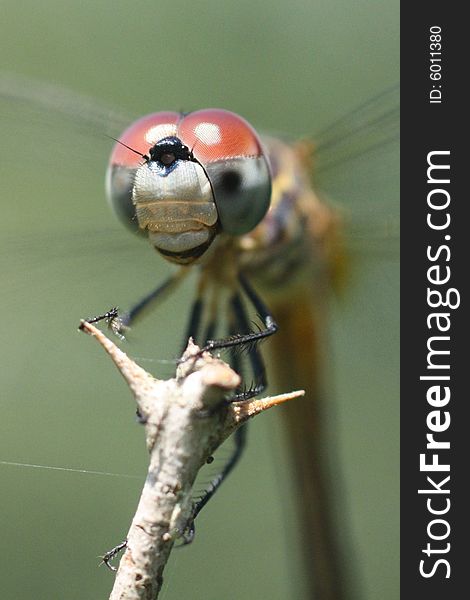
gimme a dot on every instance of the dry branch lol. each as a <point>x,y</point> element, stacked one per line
<point>186,419</point>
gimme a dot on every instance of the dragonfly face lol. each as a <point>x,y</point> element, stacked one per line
<point>202,173</point>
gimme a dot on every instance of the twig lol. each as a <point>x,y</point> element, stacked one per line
<point>186,419</point>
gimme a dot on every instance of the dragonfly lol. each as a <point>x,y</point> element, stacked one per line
<point>257,233</point>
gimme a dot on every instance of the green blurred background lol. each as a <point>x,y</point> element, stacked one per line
<point>287,67</point>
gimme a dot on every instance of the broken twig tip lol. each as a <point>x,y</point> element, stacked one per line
<point>245,410</point>
<point>85,326</point>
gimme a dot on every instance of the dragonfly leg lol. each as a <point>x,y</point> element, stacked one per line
<point>210,330</point>
<point>126,319</point>
<point>238,323</point>
<point>241,339</point>
<point>254,355</point>
<point>108,557</point>
<point>198,308</point>
<point>240,336</point>
<point>194,323</point>
<point>240,442</point>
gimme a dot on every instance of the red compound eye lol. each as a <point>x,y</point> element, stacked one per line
<point>233,158</point>
<point>142,135</point>
<point>224,145</point>
<point>215,134</point>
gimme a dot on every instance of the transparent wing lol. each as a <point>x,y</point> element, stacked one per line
<point>53,102</point>
<point>371,125</point>
<point>356,166</point>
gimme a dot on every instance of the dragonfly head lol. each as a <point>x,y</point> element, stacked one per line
<point>183,178</point>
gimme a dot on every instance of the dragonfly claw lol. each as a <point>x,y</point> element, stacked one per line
<point>108,556</point>
<point>116,323</point>
<point>189,532</point>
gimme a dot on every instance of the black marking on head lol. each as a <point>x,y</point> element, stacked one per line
<point>168,150</point>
